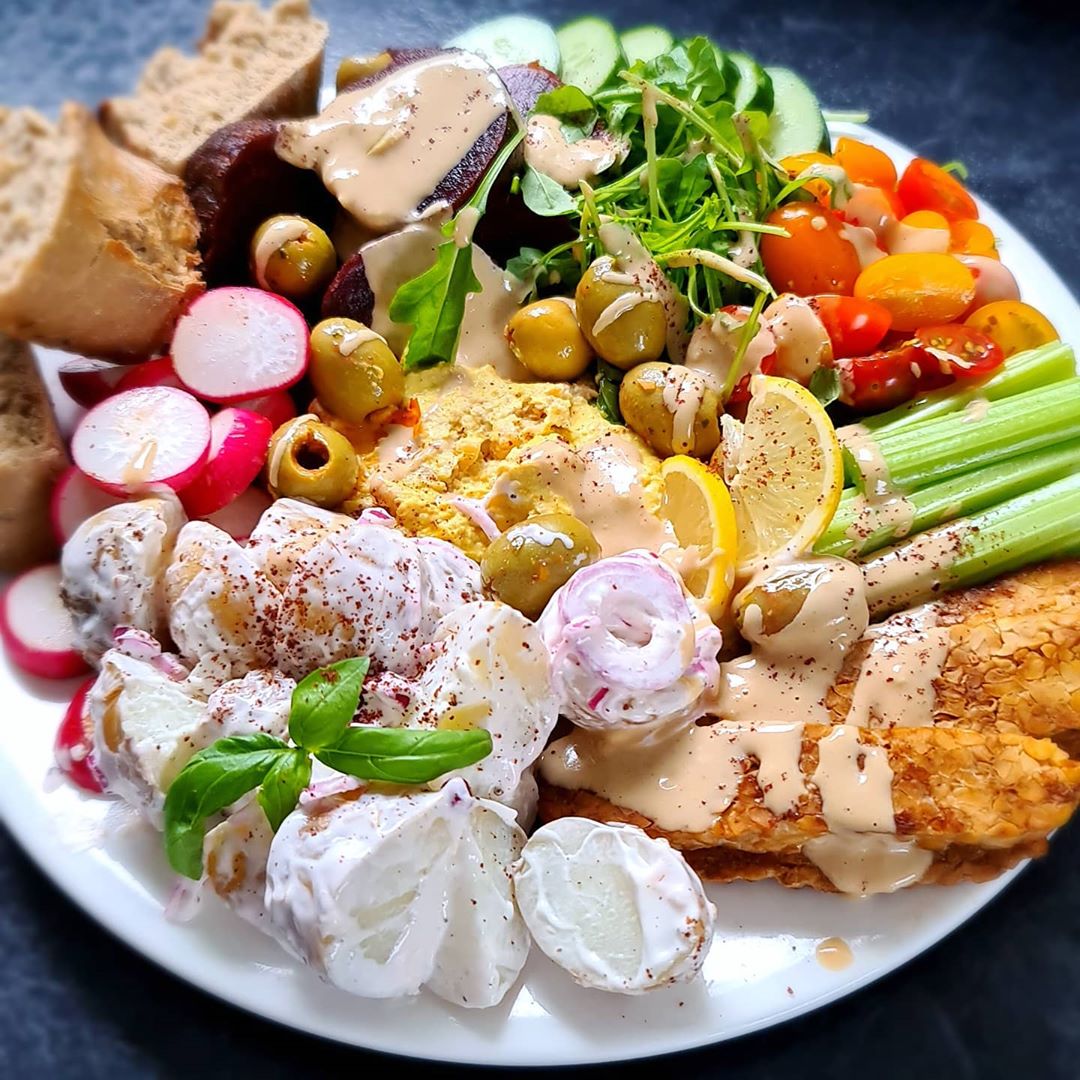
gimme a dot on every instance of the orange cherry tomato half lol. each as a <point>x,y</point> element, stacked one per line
<point>798,163</point>
<point>1014,325</point>
<point>961,351</point>
<point>855,327</point>
<point>865,164</point>
<point>972,238</point>
<point>814,258</point>
<point>918,288</point>
<point>926,186</point>
<point>925,219</point>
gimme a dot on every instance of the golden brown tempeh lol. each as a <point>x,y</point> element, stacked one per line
<point>983,789</point>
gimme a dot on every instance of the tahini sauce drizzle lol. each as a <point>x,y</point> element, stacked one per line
<point>600,483</point>
<point>683,396</point>
<point>914,570</point>
<point>896,679</point>
<point>568,163</point>
<point>834,954</point>
<point>383,149</point>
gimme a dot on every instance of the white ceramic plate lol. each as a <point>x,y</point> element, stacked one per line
<point>761,970</point>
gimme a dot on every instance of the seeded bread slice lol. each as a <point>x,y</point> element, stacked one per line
<point>99,246</point>
<point>250,63</point>
<point>31,458</point>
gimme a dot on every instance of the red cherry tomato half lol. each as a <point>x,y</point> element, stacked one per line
<point>926,186</point>
<point>855,327</point>
<point>881,381</point>
<point>961,351</point>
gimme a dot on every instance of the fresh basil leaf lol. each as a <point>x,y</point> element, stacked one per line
<point>325,702</point>
<point>213,779</point>
<point>608,380</point>
<point>825,385</point>
<point>569,104</point>
<point>405,755</point>
<point>544,196</point>
<point>281,786</point>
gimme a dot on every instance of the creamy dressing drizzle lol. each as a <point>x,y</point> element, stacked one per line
<point>855,783</point>
<point>874,514</point>
<point>465,225</point>
<point>976,410</point>
<point>277,235</point>
<point>392,260</point>
<point>915,569</point>
<point>834,954</point>
<point>383,149</point>
<point>632,258</point>
<point>620,306</point>
<point>868,864</point>
<point>901,239</point>
<point>683,395</point>
<point>686,782</point>
<point>865,242</point>
<point>802,342</point>
<point>568,163</point>
<point>352,341</point>
<point>715,342</point>
<point>787,674</point>
<point>600,483</point>
<point>895,686</point>
<point>860,441</point>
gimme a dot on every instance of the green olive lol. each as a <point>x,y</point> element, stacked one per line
<point>353,370</point>
<point>631,331</point>
<point>779,599</point>
<point>546,338</point>
<point>311,461</point>
<point>672,408</point>
<point>292,257</point>
<point>526,564</point>
<point>354,68</point>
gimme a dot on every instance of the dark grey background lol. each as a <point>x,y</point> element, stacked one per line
<point>995,85</point>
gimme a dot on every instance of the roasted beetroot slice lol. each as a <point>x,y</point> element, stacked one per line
<point>235,182</point>
<point>349,295</point>
<point>526,82</point>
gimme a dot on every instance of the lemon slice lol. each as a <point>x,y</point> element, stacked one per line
<point>700,510</point>
<point>785,472</point>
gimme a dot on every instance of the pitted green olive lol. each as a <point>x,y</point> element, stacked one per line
<point>546,338</point>
<point>353,370</point>
<point>526,564</point>
<point>354,68</point>
<point>777,600</point>
<point>621,321</point>
<point>673,408</point>
<point>309,460</point>
<point>292,256</point>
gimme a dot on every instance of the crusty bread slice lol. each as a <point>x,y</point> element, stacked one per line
<point>250,63</point>
<point>99,246</point>
<point>31,457</point>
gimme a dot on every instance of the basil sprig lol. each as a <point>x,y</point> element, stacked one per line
<point>322,709</point>
<point>433,303</point>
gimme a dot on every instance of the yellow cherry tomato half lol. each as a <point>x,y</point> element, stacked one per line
<point>918,288</point>
<point>1013,325</point>
<point>972,238</point>
<point>865,164</point>
<point>797,163</point>
<point>926,219</point>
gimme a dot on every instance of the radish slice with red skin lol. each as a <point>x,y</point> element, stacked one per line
<point>278,407</point>
<point>36,628</point>
<point>238,443</point>
<point>235,343</point>
<point>75,497</point>
<point>241,516</point>
<point>89,382</point>
<point>159,372</point>
<point>149,436</point>
<point>73,746</point>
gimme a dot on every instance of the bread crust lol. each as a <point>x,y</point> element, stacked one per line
<point>29,464</point>
<point>118,263</point>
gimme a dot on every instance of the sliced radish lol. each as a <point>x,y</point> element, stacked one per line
<point>153,435</point>
<point>237,343</point>
<point>241,516</point>
<point>75,498</point>
<point>88,382</point>
<point>278,407</point>
<point>73,745</point>
<point>238,442</point>
<point>159,372</point>
<point>36,628</point>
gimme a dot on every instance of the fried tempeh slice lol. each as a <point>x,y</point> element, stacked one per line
<point>982,789</point>
<point>955,865</point>
<point>1013,660</point>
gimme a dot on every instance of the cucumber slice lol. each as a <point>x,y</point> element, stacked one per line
<point>645,43</point>
<point>511,39</point>
<point>754,91</point>
<point>796,125</point>
<point>591,53</point>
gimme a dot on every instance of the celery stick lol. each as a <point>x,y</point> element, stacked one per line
<point>862,525</point>
<point>1023,372</point>
<point>921,454</point>
<point>1039,525</point>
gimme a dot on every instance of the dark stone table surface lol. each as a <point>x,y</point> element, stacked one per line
<point>993,84</point>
